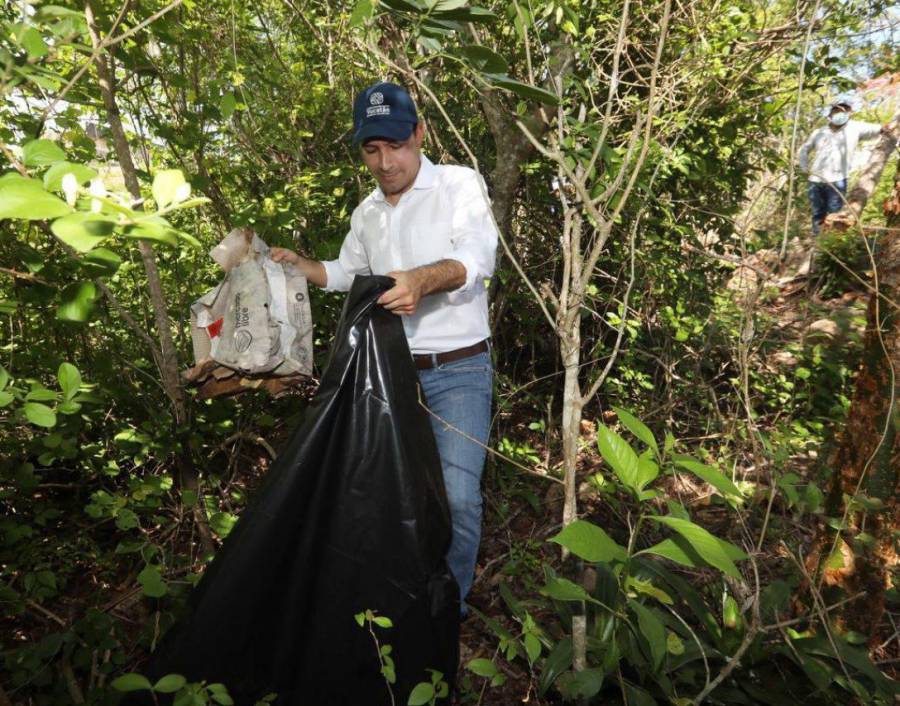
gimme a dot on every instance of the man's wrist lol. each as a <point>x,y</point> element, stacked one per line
<point>421,280</point>
<point>313,270</point>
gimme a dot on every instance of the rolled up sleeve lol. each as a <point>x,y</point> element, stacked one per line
<point>474,237</point>
<point>351,261</point>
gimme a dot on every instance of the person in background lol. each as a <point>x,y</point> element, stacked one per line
<point>429,227</point>
<point>834,146</point>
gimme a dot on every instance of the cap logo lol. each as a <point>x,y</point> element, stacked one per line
<point>376,98</point>
<point>374,110</point>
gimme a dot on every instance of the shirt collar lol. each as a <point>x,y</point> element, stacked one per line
<point>424,179</point>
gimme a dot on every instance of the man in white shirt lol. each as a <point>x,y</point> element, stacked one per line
<point>428,227</point>
<point>834,146</point>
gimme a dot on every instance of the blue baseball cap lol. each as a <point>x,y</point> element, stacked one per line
<point>384,111</point>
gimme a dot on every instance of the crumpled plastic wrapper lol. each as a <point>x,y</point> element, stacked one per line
<point>254,329</point>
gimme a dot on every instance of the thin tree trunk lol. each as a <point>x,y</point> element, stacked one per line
<point>169,360</point>
<point>571,418</point>
<point>867,460</point>
<point>168,355</point>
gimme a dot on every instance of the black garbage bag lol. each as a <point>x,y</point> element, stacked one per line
<point>352,516</point>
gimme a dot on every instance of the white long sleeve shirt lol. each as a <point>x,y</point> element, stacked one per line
<point>834,150</point>
<point>445,215</point>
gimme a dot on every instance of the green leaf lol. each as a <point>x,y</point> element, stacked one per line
<point>532,647</point>
<point>731,613</point>
<point>131,682</point>
<point>710,548</point>
<point>468,14</point>
<point>190,203</point>
<point>675,549</point>
<point>638,697</point>
<point>674,644</point>
<point>482,59</point>
<point>651,628</point>
<point>835,560</point>
<point>4,377</point>
<point>483,668</point>
<point>421,694</point>
<point>446,5</point>
<point>227,105</point>
<point>110,206</point>
<point>523,90</point>
<point>5,398</point>
<point>561,589</point>
<point>40,153</point>
<point>716,479</point>
<point>101,262</point>
<point>589,542</point>
<point>647,472</point>
<point>33,43</point>
<point>82,231</point>
<point>156,229</point>
<point>557,662</point>
<point>637,427</point>
<point>166,184</point>
<point>669,442</point>
<point>584,684</point>
<point>383,622</point>
<point>169,684</point>
<point>39,414</point>
<point>152,582</point>
<point>69,380</point>
<point>189,239</point>
<point>127,519</point>
<point>648,589</point>
<point>25,199</point>
<point>54,175</point>
<point>362,12</point>
<point>222,523</point>
<point>620,456</point>
<point>78,301</point>
<point>39,393</point>
<point>404,5</point>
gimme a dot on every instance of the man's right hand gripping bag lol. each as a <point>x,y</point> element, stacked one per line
<point>352,516</point>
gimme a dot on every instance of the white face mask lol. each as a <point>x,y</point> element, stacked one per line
<point>839,119</point>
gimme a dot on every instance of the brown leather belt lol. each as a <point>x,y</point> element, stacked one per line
<point>425,361</point>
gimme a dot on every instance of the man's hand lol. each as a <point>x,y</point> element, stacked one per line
<point>404,296</point>
<point>313,270</point>
<point>411,285</point>
<point>284,255</point>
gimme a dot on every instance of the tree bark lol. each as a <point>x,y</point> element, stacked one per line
<point>511,149</point>
<point>867,459</point>
<point>570,346</point>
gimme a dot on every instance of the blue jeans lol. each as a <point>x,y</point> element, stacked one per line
<point>825,198</point>
<point>460,393</point>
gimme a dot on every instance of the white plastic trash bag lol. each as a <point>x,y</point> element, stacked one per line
<point>257,320</point>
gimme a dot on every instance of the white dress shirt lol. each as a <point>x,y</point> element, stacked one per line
<point>445,215</point>
<point>834,150</point>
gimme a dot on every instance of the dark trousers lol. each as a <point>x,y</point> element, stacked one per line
<point>825,198</point>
